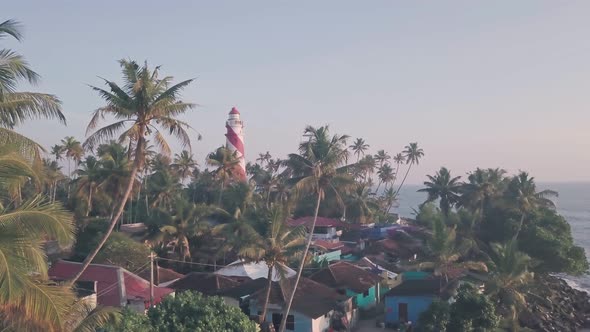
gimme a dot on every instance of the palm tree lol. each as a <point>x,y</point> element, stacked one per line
<point>143,106</point>
<point>523,190</point>
<point>398,159</point>
<point>359,147</point>
<point>17,107</point>
<point>481,186</point>
<point>389,198</point>
<point>386,175</point>
<point>71,148</point>
<point>187,221</point>
<point>90,176</point>
<point>444,188</point>
<point>381,157</point>
<point>447,254</point>
<point>412,154</point>
<point>52,175</point>
<point>184,164</point>
<point>510,273</point>
<point>225,161</point>
<point>57,152</point>
<point>275,244</point>
<point>367,167</point>
<point>315,171</point>
<point>164,188</point>
<point>360,204</point>
<point>264,158</point>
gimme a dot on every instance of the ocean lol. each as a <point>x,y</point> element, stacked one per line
<point>573,203</point>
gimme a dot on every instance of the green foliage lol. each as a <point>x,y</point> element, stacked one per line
<point>130,321</point>
<point>471,311</point>
<point>547,238</point>
<point>436,318</point>
<point>120,250</point>
<point>191,311</point>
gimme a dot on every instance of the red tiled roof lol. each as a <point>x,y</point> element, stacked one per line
<point>161,275</point>
<point>206,283</point>
<point>328,245</point>
<point>346,275</point>
<point>108,278</point>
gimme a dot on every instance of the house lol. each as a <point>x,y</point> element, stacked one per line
<point>241,271</point>
<point>328,229</point>
<point>328,251</point>
<point>315,306</point>
<point>114,286</point>
<point>206,283</point>
<point>361,285</point>
<point>406,301</point>
<point>162,276</point>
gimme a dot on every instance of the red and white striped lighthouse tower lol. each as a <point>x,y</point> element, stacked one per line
<point>235,139</point>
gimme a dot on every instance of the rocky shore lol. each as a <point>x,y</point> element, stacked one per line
<point>555,306</point>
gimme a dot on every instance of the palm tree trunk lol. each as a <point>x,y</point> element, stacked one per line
<point>89,202</point>
<point>54,190</point>
<point>300,269</point>
<point>262,317</point>
<point>221,192</point>
<point>404,180</point>
<point>519,227</point>
<point>379,185</point>
<point>139,150</point>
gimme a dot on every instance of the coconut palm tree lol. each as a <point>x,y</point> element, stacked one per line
<point>163,188</point>
<point>523,190</point>
<point>184,164</point>
<point>57,152</point>
<point>398,159</point>
<point>389,198</point>
<point>225,162</point>
<point>481,187</point>
<point>144,106</point>
<point>446,253</point>
<point>444,187</point>
<point>15,106</point>
<point>366,167</point>
<point>412,154</point>
<point>385,174</point>
<point>275,245</point>
<point>315,172</point>
<point>360,204</point>
<point>381,157</point>
<point>72,149</point>
<point>264,158</point>
<point>359,147</point>
<point>510,273</point>
<point>187,221</point>
<point>52,176</point>
<point>90,176</point>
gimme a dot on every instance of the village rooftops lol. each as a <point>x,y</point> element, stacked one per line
<point>321,222</point>
<point>346,275</point>
<point>328,245</point>
<point>312,298</point>
<point>162,276</point>
<point>115,286</point>
<point>241,269</point>
<point>206,283</point>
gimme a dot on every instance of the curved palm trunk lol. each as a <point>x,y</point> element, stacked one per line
<point>300,269</point>
<point>139,150</point>
<point>379,185</point>
<point>89,201</point>
<point>404,180</point>
<point>262,317</point>
<point>519,227</point>
<point>221,192</point>
<point>395,176</point>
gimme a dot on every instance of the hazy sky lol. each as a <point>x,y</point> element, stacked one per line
<point>491,84</point>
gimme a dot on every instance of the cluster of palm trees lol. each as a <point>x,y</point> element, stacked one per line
<point>459,241</point>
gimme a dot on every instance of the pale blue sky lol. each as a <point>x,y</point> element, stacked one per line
<point>496,83</point>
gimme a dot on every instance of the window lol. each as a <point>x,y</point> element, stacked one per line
<point>366,293</point>
<point>276,321</point>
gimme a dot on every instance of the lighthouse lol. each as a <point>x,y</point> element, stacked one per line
<point>235,140</point>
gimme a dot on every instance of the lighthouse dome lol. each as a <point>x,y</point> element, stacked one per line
<point>234,111</point>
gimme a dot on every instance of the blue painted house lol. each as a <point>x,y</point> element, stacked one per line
<point>406,301</point>
<point>352,280</point>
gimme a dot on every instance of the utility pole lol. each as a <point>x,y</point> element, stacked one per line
<point>151,279</point>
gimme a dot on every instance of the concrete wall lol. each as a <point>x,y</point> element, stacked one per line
<point>416,306</point>
<point>364,302</point>
<point>322,323</point>
<point>330,256</point>
<point>302,322</point>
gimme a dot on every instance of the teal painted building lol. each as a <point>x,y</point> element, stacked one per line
<point>408,300</point>
<point>352,280</point>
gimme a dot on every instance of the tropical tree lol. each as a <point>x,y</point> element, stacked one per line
<point>398,159</point>
<point>509,274</point>
<point>163,188</point>
<point>90,176</point>
<point>381,157</point>
<point>412,154</point>
<point>225,162</point>
<point>359,147</point>
<point>360,204</point>
<point>385,174</point>
<point>481,187</point>
<point>264,158</point>
<point>57,152</point>
<point>444,187</point>
<point>389,197</point>
<point>447,253</point>
<point>523,190</point>
<point>143,106</point>
<point>186,222</point>
<point>184,164</point>
<point>366,167</point>
<point>275,244</point>
<point>315,172</point>
<point>15,106</point>
<point>72,149</point>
